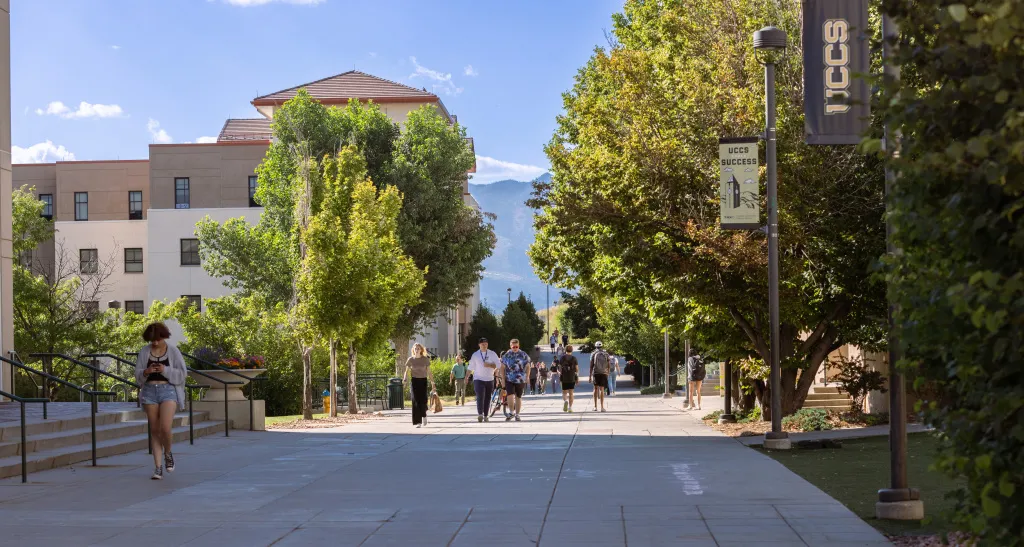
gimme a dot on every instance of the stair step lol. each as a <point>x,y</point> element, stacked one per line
<point>827,397</point>
<point>53,425</point>
<point>70,437</point>
<point>68,455</point>
<point>825,389</point>
<point>828,405</point>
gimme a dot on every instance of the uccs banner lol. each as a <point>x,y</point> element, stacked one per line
<point>836,95</point>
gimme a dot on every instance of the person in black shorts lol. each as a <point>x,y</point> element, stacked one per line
<point>600,366</point>
<point>568,369</point>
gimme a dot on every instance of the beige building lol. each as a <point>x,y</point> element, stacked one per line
<point>136,218</point>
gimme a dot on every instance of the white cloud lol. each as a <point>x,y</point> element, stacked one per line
<point>470,71</point>
<point>85,110</point>
<point>373,54</point>
<point>443,80</point>
<point>490,170</point>
<point>158,135</point>
<point>250,3</point>
<point>206,140</point>
<point>44,152</point>
<point>115,47</point>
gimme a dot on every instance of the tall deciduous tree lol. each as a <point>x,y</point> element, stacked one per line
<point>632,209</point>
<point>443,235</point>
<point>580,313</point>
<point>355,280</point>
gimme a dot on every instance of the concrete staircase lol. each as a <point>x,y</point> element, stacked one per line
<point>61,442</point>
<point>710,387</point>
<point>828,398</point>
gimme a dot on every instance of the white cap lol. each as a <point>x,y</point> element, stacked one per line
<point>598,345</point>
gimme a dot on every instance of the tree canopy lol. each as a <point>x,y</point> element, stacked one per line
<point>632,209</point>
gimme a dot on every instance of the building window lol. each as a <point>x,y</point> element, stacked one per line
<point>252,191</point>
<point>81,205</point>
<point>133,260</point>
<point>90,310</point>
<point>47,200</point>
<point>193,301</point>
<point>135,205</point>
<point>27,259</point>
<point>134,306</point>
<point>181,193</point>
<point>90,260</point>
<point>190,252</point>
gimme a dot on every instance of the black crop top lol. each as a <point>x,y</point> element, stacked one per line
<point>156,376</point>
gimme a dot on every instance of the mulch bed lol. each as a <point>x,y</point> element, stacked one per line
<point>326,422</point>
<point>954,539</point>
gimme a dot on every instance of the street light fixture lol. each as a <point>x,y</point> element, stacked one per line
<point>770,46</point>
<point>509,294</point>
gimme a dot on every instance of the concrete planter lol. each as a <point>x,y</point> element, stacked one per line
<point>216,391</point>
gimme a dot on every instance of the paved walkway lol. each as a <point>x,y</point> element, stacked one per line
<point>641,474</point>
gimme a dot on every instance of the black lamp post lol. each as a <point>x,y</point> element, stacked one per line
<point>509,294</point>
<point>770,45</point>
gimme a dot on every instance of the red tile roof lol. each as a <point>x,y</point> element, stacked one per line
<point>351,85</point>
<point>245,129</point>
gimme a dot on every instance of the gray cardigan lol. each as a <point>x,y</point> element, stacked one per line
<point>175,371</point>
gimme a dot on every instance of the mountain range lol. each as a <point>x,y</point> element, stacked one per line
<point>509,267</point>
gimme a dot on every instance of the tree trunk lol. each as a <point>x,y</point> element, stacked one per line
<point>334,378</point>
<point>353,400</point>
<point>307,383</point>
<point>402,352</point>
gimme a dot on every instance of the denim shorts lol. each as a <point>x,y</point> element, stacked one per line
<point>154,394</point>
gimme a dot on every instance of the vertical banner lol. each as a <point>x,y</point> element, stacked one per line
<point>835,42</point>
<point>739,192</point>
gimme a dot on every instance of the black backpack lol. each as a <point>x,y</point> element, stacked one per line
<point>697,370</point>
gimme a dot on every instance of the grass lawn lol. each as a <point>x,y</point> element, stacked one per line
<point>854,473</point>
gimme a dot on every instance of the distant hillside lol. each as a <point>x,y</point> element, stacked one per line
<point>509,267</point>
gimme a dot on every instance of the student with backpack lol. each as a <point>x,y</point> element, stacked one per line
<point>695,373</point>
<point>568,370</point>
<point>600,366</point>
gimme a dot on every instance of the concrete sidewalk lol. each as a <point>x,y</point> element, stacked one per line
<point>641,474</point>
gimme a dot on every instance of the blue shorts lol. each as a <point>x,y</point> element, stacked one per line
<point>154,394</point>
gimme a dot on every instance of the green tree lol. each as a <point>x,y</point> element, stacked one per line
<point>443,235</point>
<point>354,280</point>
<point>484,325</point>
<point>580,313</point>
<point>632,209</point>
<point>237,326</point>
<point>957,281</point>
<point>520,320</point>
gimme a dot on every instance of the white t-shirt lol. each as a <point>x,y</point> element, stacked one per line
<point>476,365</point>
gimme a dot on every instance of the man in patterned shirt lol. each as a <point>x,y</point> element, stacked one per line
<point>515,364</point>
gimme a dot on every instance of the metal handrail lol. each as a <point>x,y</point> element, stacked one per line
<point>94,407</point>
<point>224,384</point>
<point>96,371</point>
<point>214,366</point>
<point>24,454</point>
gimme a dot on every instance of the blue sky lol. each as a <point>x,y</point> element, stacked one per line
<point>102,79</point>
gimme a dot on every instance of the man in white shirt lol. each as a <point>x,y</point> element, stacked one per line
<point>482,365</point>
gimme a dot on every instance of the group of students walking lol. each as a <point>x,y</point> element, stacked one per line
<point>514,373</point>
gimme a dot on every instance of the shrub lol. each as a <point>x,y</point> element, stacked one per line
<point>957,280</point>
<point>658,389</point>
<point>858,380</point>
<point>752,415</point>
<point>713,416</point>
<point>808,419</point>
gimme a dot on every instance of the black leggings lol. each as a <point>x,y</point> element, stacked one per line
<point>419,400</point>
<point>533,384</point>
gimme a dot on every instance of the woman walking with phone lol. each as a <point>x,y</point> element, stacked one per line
<point>161,372</point>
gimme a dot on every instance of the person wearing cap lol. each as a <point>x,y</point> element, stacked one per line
<point>600,366</point>
<point>482,365</point>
